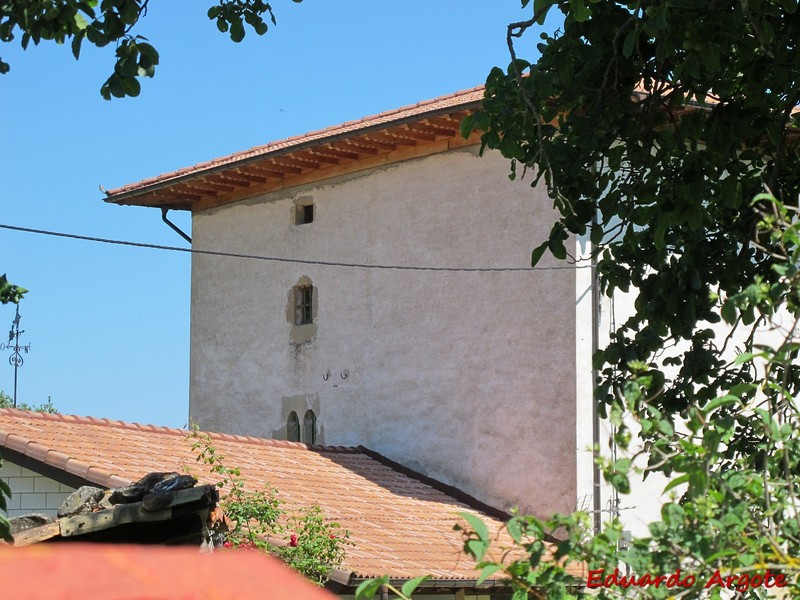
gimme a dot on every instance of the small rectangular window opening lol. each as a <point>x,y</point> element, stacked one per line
<point>304,298</point>
<point>304,213</point>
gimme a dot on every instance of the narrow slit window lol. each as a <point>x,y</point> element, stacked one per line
<point>304,305</point>
<point>310,427</point>
<point>293,427</point>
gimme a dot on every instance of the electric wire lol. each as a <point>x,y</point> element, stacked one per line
<point>282,259</point>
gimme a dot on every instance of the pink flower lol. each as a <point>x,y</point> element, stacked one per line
<point>293,540</point>
<point>227,544</point>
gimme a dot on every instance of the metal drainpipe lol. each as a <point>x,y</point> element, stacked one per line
<point>597,504</point>
<point>384,593</point>
<point>172,225</point>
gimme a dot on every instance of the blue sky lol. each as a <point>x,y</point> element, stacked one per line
<point>109,325</point>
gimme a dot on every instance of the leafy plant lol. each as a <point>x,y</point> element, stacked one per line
<point>303,539</point>
<point>10,293</point>
<point>7,401</point>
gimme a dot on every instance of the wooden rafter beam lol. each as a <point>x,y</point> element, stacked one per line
<point>380,143</point>
<point>300,160</point>
<point>417,135</point>
<point>429,127</point>
<point>271,173</point>
<point>444,122</point>
<point>338,152</point>
<point>201,189</point>
<point>217,186</point>
<point>285,166</point>
<point>317,156</point>
<point>362,147</point>
<point>250,177</point>
<point>233,179</point>
<point>397,140</point>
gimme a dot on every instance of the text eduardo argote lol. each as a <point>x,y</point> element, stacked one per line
<point>598,578</point>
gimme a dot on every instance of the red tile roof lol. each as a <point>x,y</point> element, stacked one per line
<point>118,572</point>
<point>401,524</point>
<point>278,163</point>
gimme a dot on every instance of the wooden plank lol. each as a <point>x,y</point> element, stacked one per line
<point>393,140</point>
<point>361,146</point>
<point>123,514</point>
<point>336,151</point>
<point>233,178</point>
<point>206,181</point>
<point>317,156</point>
<point>444,122</point>
<point>261,170</point>
<point>407,131</point>
<point>432,129</point>
<point>284,168</point>
<point>37,534</point>
<point>380,143</point>
<point>250,177</point>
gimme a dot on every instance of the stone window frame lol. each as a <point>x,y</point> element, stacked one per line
<point>293,427</point>
<point>303,324</point>
<point>304,210</point>
<point>309,435</point>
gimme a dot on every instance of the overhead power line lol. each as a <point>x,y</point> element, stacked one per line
<point>282,259</point>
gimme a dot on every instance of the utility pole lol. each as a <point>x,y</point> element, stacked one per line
<point>15,360</point>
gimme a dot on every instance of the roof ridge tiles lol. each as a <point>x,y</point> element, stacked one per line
<point>160,429</point>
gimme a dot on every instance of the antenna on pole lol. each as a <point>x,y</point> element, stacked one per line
<point>15,360</point>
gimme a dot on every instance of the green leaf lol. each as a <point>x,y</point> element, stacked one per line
<point>514,530</point>
<point>367,589</point>
<point>579,10</point>
<point>676,482</point>
<point>556,246</point>
<point>537,253</point>
<point>487,572</point>
<point>729,312</point>
<point>477,548</point>
<point>630,43</point>
<point>744,357</point>
<point>540,9</point>
<point>720,401</point>
<point>467,125</point>
<point>520,594</point>
<point>409,587</point>
<point>237,31</point>
<point>477,524</point>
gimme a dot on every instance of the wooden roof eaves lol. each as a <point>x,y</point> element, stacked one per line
<point>378,127</point>
<point>345,168</point>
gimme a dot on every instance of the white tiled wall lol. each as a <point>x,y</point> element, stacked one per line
<point>32,492</point>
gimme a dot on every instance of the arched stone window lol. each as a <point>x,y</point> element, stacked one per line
<point>310,427</point>
<point>293,427</point>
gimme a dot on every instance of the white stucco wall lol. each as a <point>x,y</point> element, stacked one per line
<point>466,376</point>
<point>32,492</point>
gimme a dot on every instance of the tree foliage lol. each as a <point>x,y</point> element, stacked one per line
<point>653,126</point>
<point>666,133</point>
<point>105,22</point>
<point>10,292</point>
<point>7,401</point>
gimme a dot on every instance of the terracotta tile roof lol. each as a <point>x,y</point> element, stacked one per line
<point>119,572</point>
<point>329,151</point>
<point>401,524</point>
